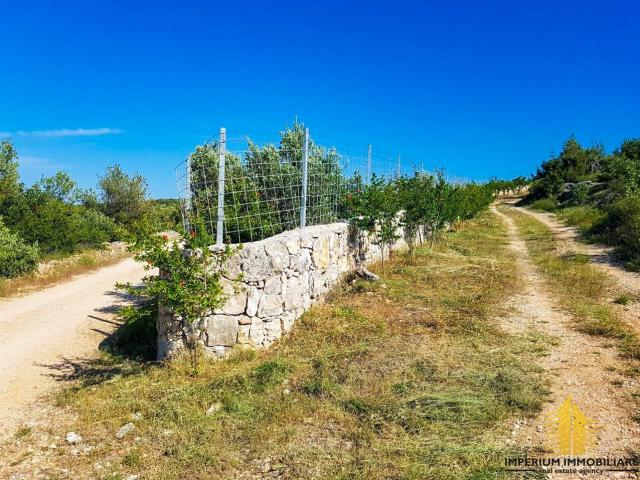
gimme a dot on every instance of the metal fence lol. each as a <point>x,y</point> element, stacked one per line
<point>240,190</point>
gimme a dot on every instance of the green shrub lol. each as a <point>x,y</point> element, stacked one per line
<point>545,204</point>
<point>190,285</point>
<point>58,226</point>
<point>623,222</point>
<point>580,194</point>
<point>16,257</point>
<point>584,217</point>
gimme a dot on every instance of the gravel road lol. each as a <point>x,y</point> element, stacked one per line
<point>44,334</point>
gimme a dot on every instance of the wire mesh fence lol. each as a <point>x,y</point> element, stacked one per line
<point>240,190</point>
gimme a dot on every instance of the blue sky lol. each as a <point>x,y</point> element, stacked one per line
<point>479,88</point>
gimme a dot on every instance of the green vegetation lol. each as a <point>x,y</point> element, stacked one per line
<point>421,203</point>
<point>189,284</point>
<point>263,191</point>
<point>410,378</point>
<point>585,217</point>
<point>545,204</point>
<point>53,216</point>
<point>581,287</point>
<point>123,197</point>
<point>595,191</point>
<point>16,257</point>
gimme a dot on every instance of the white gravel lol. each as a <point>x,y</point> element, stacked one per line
<point>43,334</point>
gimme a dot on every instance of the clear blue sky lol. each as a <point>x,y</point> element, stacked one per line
<point>479,88</point>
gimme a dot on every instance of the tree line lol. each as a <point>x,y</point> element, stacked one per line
<point>56,217</point>
<point>263,192</point>
<point>603,188</point>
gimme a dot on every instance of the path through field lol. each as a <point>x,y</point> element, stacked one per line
<point>44,334</point>
<point>601,255</point>
<point>580,365</point>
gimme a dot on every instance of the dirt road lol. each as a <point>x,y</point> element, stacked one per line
<point>599,254</point>
<point>581,366</point>
<point>44,334</point>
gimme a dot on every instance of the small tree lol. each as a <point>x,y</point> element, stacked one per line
<point>189,279</point>
<point>9,178</point>
<point>374,209</point>
<point>416,196</point>
<point>436,207</point>
<point>61,186</point>
<point>123,197</point>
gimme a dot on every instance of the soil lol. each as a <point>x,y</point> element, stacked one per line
<point>585,367</point>
<point>46,334</point>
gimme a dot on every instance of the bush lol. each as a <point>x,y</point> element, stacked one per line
<point>57,226</point>
<point>190,283</point>
<point>16,257</point>
<point>580,194</point>
<point>623,222</point>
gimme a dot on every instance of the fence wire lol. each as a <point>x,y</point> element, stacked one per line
<point>263,184</point>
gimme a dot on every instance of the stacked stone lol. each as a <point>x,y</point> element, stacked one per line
<point>269,284</point>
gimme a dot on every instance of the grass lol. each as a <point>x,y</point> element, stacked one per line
<point>407,378</point>
<point>626,298</point>
<point>545,205</point>
<point>584,218</point>
<point>59,268</point>
<point>581,287</point>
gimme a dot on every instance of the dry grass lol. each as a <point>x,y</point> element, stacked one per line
<point>582,288</point>
<point>60,269</point>
<point>408,378</point>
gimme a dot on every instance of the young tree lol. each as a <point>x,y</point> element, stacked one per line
<point>189,280</point>
<point>61,186</point>
<point>436,206</point>
<point>374,210</point>
<point>415,199</point>
<point>123,197</point>
<point>9,178</point>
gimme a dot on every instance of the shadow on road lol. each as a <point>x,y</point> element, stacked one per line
<point>93,371</point>
<point>127,350</point>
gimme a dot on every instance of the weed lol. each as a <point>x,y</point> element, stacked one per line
<point>625,298</point>
<point>23,432</point>
<point>584,218</point>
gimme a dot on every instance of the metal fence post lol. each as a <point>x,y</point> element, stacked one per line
<point>187,211</point>
<point>305,171</point>
<point>369,164</point>
<point>221,161</point>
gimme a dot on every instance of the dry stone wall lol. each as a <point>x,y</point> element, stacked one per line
<point>280,278</point>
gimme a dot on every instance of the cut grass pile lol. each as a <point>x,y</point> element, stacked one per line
<point>581,287</point>
<point>407,378</point>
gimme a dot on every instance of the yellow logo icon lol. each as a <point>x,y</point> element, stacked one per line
<point>571,432</point>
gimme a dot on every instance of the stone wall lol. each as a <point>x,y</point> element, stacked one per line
<point>281,277</point>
